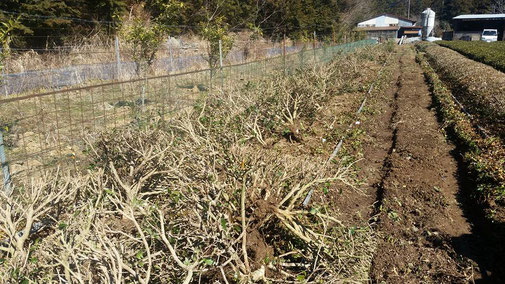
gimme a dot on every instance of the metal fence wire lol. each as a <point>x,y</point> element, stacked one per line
<point>48,129</point>
<point>173,59</point>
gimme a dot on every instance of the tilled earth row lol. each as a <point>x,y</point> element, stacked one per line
<point>422,230</point>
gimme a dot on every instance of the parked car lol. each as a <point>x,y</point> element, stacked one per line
<point>489,35</point>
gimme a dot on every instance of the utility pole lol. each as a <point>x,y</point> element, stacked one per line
<point>408,12</point>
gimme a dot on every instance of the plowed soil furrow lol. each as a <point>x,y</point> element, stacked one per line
<point>417,212</point>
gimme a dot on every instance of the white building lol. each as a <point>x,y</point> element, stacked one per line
<point>388,26</point>
<point>387,20</point>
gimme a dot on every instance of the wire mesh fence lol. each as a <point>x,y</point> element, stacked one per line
<point>109,64</point>
<point>49,129</point>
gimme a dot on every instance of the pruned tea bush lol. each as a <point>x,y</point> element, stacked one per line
<point>199,198</point>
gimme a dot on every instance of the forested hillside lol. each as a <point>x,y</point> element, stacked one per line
<point>58,19</point>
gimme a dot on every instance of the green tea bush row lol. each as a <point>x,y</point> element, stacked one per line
<point>484,157</point>
<point>492,54</point>
<point>479,87</point>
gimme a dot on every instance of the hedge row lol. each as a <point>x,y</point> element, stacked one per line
<point>492,54</point>
<point>484,157</point>
<point>479,87</point>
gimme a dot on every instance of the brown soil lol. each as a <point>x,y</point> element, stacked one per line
<point>416,211</point>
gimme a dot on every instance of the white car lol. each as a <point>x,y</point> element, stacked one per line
<point>489,35</point>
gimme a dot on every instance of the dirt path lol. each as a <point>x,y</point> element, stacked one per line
<point>416,213</point>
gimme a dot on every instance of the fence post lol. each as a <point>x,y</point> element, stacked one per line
<point>4,77</point>
<point>314,47</point>
<point>118,58</point>
<point>5,82</point>
<point>325,50</point>
<point>302,56</point>
<point>284,54</point>
<point>171,56</point>
<point>221,63</point>
<point>333,35</point>
<point>143,98</point>
<point>5,165</point>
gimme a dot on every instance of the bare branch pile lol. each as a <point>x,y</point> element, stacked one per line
<point>213,195</point>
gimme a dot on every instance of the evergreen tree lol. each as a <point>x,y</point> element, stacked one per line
<point>55,20</point>
<point>106,10</point>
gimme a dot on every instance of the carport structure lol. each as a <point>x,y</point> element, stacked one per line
<point>473,25</point>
